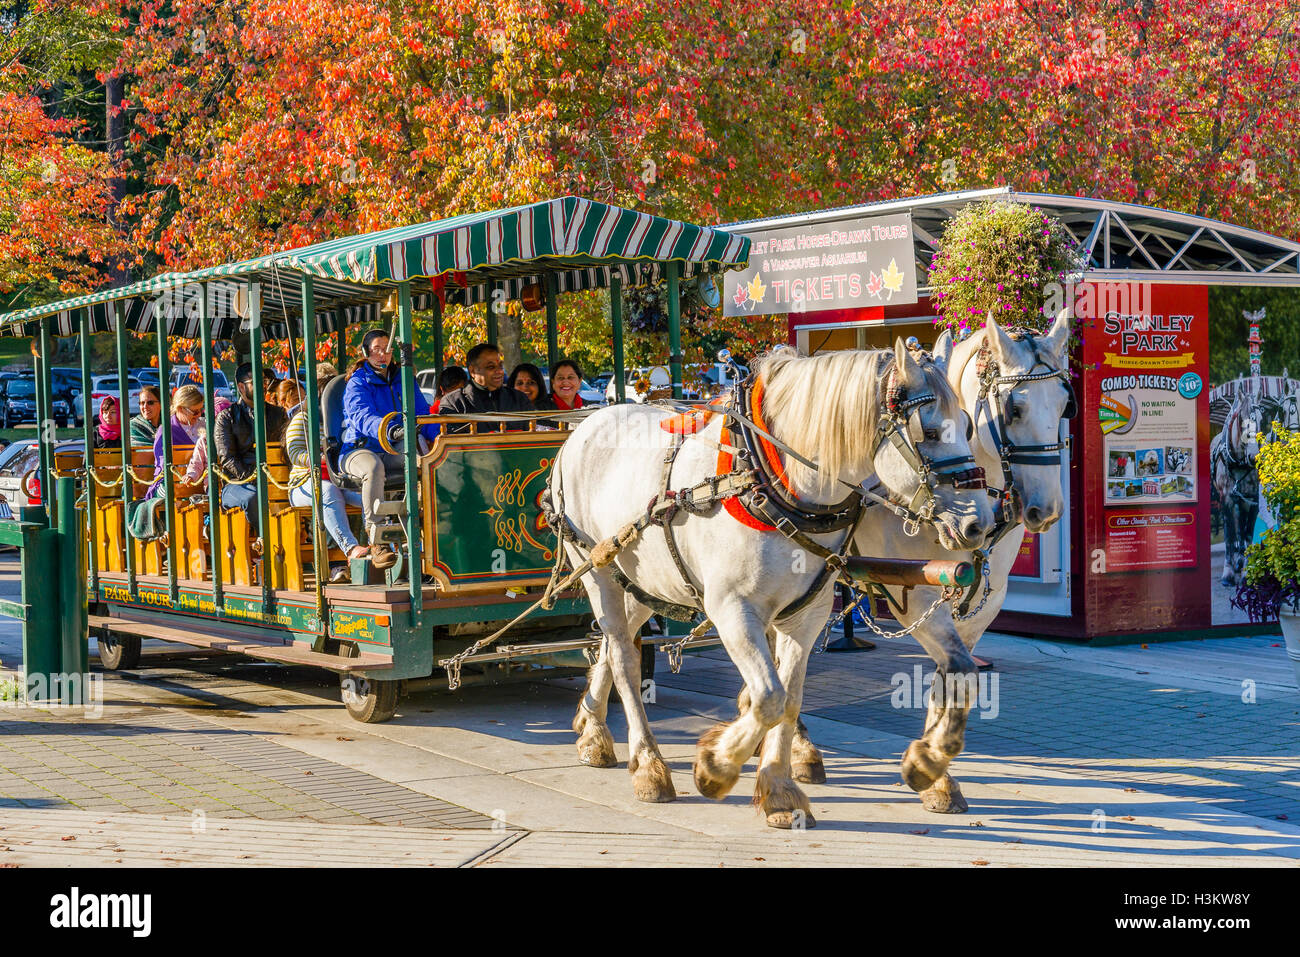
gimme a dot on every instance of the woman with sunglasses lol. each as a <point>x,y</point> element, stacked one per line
<point>144,427</point>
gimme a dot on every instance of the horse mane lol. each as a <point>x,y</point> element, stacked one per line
<point>826,406</point>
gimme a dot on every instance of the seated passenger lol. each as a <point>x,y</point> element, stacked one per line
<point>145,425</point>
<point>527,378</point>
<point>288,396</point>
<point>108,430</point>
<point>236,455</point>
<point>373,390</point>
<point>186,427</point>
<point>451,379</point>
<point>566,382</point>
<point>333,499</point>
<point>486,391</point>
<point>197,472</point>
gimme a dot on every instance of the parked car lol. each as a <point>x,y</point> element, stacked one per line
<point>101,387</point>
<point>66,383</point>
<point>717,379</point>
<point>147,375</point>
<point>18,403</point>
<point>17,463</point>
<point>182,375</point>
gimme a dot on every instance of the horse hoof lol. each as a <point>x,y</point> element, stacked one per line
<point>652,782</point>
<point>919,771</point>
<point>595,743</point>
<point>813,772</point>
<point>712,779</point>
<point>944,797</point>
<point>795,820</point>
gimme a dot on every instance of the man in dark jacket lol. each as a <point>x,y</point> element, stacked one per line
<point>486,390</point>
<point>373,392</point>
<point>236,450</point>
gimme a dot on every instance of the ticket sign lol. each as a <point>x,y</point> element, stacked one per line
<point>841,265</point>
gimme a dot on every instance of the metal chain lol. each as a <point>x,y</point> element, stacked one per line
<point>988,589</point>
<point>946,595</point>
<point>674,651</point>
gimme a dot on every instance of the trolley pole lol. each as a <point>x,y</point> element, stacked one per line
<point>410,452</point>
<point>92,547</point>
<point>165,430</point>
<point>552,321</point>
<point>492,315</point>
<point>45,434</point>
<point>210,416</point>
<point>123,418</point>
<point>259,433</point>
<point>320,556</point>
<point>437,337</point>
<point>675,326</point>
<point>73,611</point>
<point>616,320</point>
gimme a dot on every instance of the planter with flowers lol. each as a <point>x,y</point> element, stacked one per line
<point>1271,589</point>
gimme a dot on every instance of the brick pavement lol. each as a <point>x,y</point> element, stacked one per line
<point>162,761</point>
<point>1183,742</point>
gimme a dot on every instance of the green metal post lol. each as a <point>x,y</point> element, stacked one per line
<point>72,596</point>
<point>259,429</point>
<point>552,323</point>
<point>45,433</point>
<point>616,320</point>
<point>165,430</point>
<point>123,416</point>
<point>42,629</point>
<point>675,327</point>
<point>492,315</point>
<point>91,556</point>
<point>319,553</point>
<point>410,451</point>
<point>437,337</point>
<point>209,418</point>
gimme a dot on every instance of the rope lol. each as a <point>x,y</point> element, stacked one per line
<point>601,555</point>
<point>282,486</point>
<point>101,483</point>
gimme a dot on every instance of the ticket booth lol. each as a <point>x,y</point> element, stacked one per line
<point>1168,356</point>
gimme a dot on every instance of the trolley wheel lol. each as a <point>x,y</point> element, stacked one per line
<point>118,652</point>
<point>370,700</point>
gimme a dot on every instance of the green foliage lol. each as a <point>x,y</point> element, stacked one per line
<point>1280,330</point>
<point>9,690</point>
<point>1273,563</point>
<point>999,258</point>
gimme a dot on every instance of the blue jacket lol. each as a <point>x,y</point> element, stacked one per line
<point>367,398</point>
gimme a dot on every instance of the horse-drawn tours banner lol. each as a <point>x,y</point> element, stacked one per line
<point>1146,472</point>
<point>834,265</point>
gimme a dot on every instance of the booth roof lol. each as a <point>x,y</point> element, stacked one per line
<point>580,243</point>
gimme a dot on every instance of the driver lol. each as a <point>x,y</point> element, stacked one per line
<point>373,390</point>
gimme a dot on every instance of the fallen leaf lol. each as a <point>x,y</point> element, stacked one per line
<point>1014,840</point>
<point>757,858</point>
<point>976,823</point>
<point>341,738</point>
<point>306,772</point>
<point>1281,817</point>
<point>10,864</point>
<point>243,856</point>
<point>922,831</point>
<point>1144,647</point>
<point>1131,790</point>
<point>1144,672</point>
<point>1126,818</point>
<point>69,837</point>
<point>980,862</point>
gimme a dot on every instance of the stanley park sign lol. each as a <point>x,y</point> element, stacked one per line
<point>836,265</point>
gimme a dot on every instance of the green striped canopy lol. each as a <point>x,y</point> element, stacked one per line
<point>580,243</point>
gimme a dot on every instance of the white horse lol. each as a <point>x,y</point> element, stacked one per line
<point>1017,402</point>
<point>825,409</point>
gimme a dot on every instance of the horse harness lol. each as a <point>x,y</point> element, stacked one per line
<point>751,483</point>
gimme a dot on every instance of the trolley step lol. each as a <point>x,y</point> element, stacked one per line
<point>284,654</point>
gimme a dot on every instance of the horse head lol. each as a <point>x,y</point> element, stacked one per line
<point>1019,398</point>
<point>923,414</point>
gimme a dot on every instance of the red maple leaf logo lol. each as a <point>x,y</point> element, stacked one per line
<point>742,295</point>
<point>874,285</point>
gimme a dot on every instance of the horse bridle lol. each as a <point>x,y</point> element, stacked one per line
<point>991,382</point>
<point>901,428</point>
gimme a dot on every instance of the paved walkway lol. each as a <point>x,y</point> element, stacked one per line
<point>1116,756</point>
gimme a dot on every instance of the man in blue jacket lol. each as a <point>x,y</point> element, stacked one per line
<point>373,391</point>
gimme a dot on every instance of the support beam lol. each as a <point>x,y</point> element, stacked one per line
<point>437,338</point>
<point>209,418</point>
<point>124,415</point>
<point>92,557</point>
<point>45,424</point>
<point>552,321</point>
<point>410,452</point>
<point>675,326</point>
<point>320,555</point>
<point>259,430</point>
<point>616,321</point>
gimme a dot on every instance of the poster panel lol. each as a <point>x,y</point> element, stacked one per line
<point>1146,470</point>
